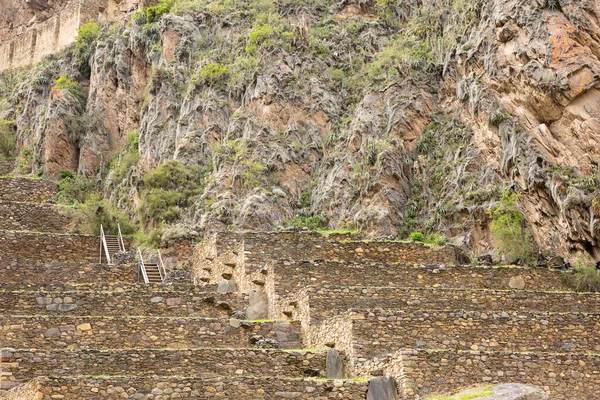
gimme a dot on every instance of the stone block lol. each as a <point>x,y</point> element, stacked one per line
<point>382,388</point>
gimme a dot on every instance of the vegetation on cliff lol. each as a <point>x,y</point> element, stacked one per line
<point>380,115</point>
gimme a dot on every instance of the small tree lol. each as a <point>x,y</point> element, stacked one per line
<point>508,228</point>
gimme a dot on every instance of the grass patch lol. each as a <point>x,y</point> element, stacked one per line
<point>339,231</point>
<point>466,395</point>
<point>585,277</point>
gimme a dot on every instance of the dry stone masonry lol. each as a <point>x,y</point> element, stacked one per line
<point>286,315</point>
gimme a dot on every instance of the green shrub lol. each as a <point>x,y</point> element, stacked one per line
<point>434,238</point>
<point>508,228</point>
<point>259,35</point>
<point>84,44</point>
<point>73,188</point>
<point>87,217</point>
<point>24,161</point>
<point>167,190</point>
<point>66,174</point>
<point>584,277</point>
<point>212,74</point>
<point>497,117</point>
<point>8,137</point>
<point>417,237</point>
<point>65,83</point>
<point>170,175</point>
<point>313,222</point>
<point>154,13</point>
<point>130,154</point>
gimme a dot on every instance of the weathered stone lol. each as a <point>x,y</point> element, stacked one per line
<point>288,395</point>
<point>52,332</point>
<point>228,286</point>
<point>67,307</point>
<point>382,388</point>
<point>334,365</point>
<point>156,299</point>
<point>84,327</point>
<point>43,301</point>
<point>259,306</point>
<point>5,355</point>
<point>174,301</point>
<point>512,391</point>
<point>517,282</point>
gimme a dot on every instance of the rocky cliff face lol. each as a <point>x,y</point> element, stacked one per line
<point>391,115</point>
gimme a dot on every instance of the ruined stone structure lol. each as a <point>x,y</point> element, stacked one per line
<point>29,45</point>
<point>278,315</point>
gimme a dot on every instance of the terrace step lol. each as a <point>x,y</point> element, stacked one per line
<point>26,247</point>
<point>258,249</point>
<point>122,332</point>
<point>47,272</point>
<point>23,364</point>
<point>426,372</point>
<point>232,388</point>
<point>27,190</point>
<point>291,277</point>
<point>139,300</point>
<point>328,301</point>
<point>377,332</point>
<point>33,217</point>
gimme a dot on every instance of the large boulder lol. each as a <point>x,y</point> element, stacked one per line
<point>515,391</point>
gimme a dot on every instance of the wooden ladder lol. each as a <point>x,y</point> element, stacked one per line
<point>110,245</point>
<point>151,272</point>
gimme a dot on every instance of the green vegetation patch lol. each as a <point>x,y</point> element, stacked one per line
<point>8,137</point>
<point>508,228</point>
<point>466,395</point>
<point>584,277</point>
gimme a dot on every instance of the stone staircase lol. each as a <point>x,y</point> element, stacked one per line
<point>280,316</point>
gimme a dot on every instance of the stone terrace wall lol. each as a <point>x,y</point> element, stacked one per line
<point>290,277</point>
<point>326,302</point>
<point>33,217</point>
<point>261,247</point>
<point>48,247</point>
<point>45,332</point>
<point>23,364</point>
<point>264,247</point>
<point>123,300</point>
<point>232,388</point>
<point>562,376</point>
<point>26,271</point>
<point>27,190</point>
<point>244,257</point>
<point>376,333</point>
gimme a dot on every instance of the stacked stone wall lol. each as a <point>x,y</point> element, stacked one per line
<point>232,388</point>
<point>326,302</point>
<point>22,365</point>
<point>291,277</point>
<point>562,376</point>
<point>31,271</point>
<point>261,247</point>
<point>122,300</point>
<point>33,217</point>
<point>84,332</point>
<point>47,247</point>
<point>375,333</point>
<point>27,190</point>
